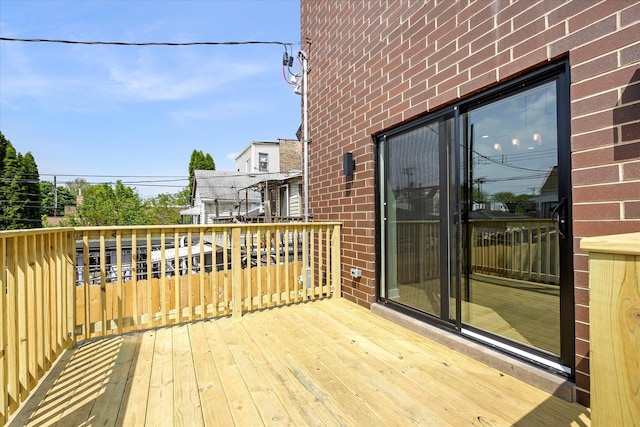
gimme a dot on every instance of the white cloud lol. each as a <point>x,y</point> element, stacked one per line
<point>93,78</point>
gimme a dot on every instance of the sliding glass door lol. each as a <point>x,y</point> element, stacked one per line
<point>474,208</point>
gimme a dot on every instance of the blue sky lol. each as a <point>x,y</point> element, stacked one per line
<point>122,112</point>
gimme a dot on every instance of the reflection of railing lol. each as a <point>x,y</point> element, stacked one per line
<point>516,249</point>
<point>418,250</point>
<point>59,285</point>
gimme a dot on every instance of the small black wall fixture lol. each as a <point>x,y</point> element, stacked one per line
<point>348,164</point>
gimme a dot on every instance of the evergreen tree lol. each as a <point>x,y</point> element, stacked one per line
<point>13,191</point>
<point>200,161</point>
<point>32,188</point>
<point>19,189</point>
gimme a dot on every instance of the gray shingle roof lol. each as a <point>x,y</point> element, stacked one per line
<point>224,185</point>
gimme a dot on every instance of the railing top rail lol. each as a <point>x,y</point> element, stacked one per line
<point>201,226</point>
<point>624,244</point>
<point>34,231</point>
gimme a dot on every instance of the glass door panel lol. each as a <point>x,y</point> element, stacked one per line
<point>511,276</point>
<point>412,218</point>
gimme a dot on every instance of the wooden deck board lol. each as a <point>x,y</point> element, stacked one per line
<point>327,362</point>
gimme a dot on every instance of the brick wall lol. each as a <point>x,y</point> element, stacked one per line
<point>376,64</point>
<point>290,155</point>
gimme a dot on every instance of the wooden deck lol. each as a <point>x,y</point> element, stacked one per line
<point>327,362</point>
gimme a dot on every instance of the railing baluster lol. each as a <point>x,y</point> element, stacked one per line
<point>4,371</point>
<point>134,279</point>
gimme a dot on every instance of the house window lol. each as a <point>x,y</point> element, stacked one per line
<point>474,216</point>
<point>263,162</point>
<point>247,167</point>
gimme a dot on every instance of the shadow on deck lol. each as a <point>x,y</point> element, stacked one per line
<point>327,362</point>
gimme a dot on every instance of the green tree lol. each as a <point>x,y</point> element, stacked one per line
<point>77,186</point>
<point>105,205</point>
<point>163,209</point>
<point>19,188</point>
<point>65,198</point>
<point>32,191</point>
<point>200,161</point>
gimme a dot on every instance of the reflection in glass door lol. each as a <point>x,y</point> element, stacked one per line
<point>413,208</point>
<point>510,285</point>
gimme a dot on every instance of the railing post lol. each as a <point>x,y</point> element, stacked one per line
<point>71,287</point>
<point>335,262</point>
<point>614,314</point>
<point>236,267</point>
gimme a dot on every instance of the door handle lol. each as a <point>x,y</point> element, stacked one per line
<point>559,217</point>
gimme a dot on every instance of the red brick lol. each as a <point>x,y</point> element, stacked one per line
<point>583,36</point>
<point>610,211</point>
<point>596,103</point>
<point>528,31</point>
<point>594,67</point>
<point>598,175</point>
<point>583,397</point>
<point>593,14</point>
<point>631,132</point>
<point>610,192</point>
<point>605,44</point>
<point>631,171</point>
<point>631,14</point>
<point>476,83</point>
<point>582,314</point>
<point>630,54</point>
<point>523,64</point>
<point>632,210</point>
<point>475,32</point>
<point>604,228</point>
<point>507,12</point>
<point>631,93</point>
<point>592,122</point>
<point>540,40</point>
<point>619,78</point>
<point>491,64</point>
<point>582,365</point>
<point>568,9</point>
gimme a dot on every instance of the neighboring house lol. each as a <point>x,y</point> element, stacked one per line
<point>284,155</point>
<point>434,98</point>
<point>281,194</point>
<point>267,184</point>
<point>223,195</point>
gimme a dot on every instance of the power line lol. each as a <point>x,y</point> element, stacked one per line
<point>115,43</point>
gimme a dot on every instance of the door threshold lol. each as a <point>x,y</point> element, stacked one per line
<point>517,351</point>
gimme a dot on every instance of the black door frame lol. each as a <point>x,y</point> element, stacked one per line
<point>450,231</point>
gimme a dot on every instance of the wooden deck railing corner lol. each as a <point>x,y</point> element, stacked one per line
<point>65,284</point>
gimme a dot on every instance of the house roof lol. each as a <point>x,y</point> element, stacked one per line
<point>278,177</point>
<point>224,186</point>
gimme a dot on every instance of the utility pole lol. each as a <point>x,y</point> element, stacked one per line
<point>305,145</point>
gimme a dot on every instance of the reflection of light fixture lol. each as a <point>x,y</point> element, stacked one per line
<point>515,142</point>
<point>537,138</point>
<point>485,136</point>
<point>497,147</point>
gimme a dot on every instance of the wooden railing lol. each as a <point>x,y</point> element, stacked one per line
<point>66,284</point>
<point>614,330</point>
<point>37,307</point>
<point>128,278</point>
<point>517,249</point>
